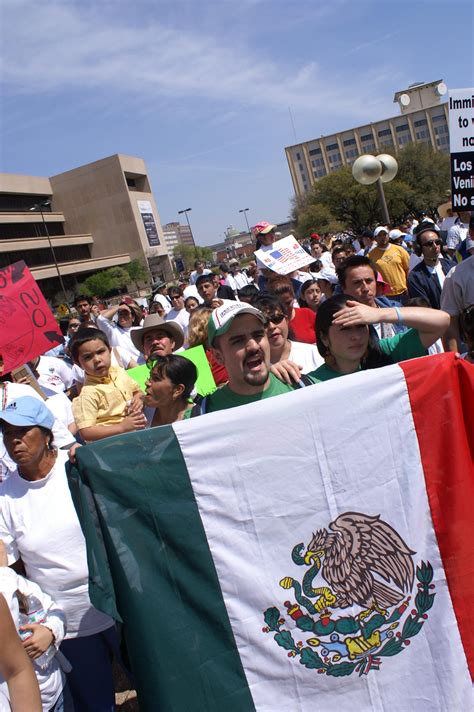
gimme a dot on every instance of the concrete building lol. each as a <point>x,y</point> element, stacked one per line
<point>100,215</point>
<point>423,119</point>
<point>176,234</point>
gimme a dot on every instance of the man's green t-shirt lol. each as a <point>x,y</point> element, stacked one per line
<point>224,398</point>
<point>400,347</point>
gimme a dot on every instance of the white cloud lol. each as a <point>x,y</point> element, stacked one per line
<point>58,46</point>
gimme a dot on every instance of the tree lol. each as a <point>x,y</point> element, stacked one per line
<point>421,184</point>
<point>103,283</point>
<point>137,272</point>
<point>189,254</point>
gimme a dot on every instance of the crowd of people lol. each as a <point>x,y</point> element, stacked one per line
<point>390,294</point>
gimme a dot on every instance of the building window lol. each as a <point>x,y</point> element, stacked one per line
<point>368,147</point>
<point>351,153</point>
<point>301,167</point>
<point>334,158</point>
<point>402,127</point>
<point>420,122</point>
<point>441,130</point>
<point>442,140</point>
<point>384,132</point>
<point>321,172</point>
<point>422,135</point>
<point>315,151</point>
<point>367,137</point>
<point>298,157</point>
<point>332,147</point>
<point>349,142</point>
<point>402,140</point>
<point>435,119</point>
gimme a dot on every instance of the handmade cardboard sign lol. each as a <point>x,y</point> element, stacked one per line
<point>27,325</point>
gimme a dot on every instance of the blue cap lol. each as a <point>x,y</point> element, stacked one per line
<point>27,412</point>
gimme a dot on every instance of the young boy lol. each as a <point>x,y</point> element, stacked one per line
<point>110,402</point>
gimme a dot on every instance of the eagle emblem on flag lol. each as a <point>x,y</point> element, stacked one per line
<point>362,564</point>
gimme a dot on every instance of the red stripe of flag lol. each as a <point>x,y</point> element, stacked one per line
<point>442,401</point>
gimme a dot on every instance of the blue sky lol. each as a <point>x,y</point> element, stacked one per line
<point>201,90</point>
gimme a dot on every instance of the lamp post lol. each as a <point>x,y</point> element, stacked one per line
<point>244,211</point>
<point>381,169</point>
<point>186,211</point>
<point>35,208</point>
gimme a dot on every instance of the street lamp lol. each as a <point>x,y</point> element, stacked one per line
<point>381,169</point>
<point>40,206</point>
<point>244,211</point>
<point>186,211</point>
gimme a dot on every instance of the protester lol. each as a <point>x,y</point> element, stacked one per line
<point>209,291</point>
<point>457,234</point>
<point>53,374</point>
<point>327,281</point>
<point>190,304</point>
<point>264,234</point>
<point>129,315</point>
<point>21,595</point>
<point>160,295</point>
<point>22,694</point>
<point>437,347</point>
<point>301,320</point>
<point>38,523</point>
<point>310,295</point>
<point>199,270</point>
<point>157,337</point>
<point>239,342</point>
<point>178,313</point>
<point>168,389</point>
<point>157,308</point>
<point>236,279</point>
<point>358,278</point>
<point>392,262</point>
<point>426,279</point>
<point>457,294</point>
<point>197,336</point>
<point>110,401</point>
<point>282,345</point>
<point>343,337</point>
<point>84,307</point>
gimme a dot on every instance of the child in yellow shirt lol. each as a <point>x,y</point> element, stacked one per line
<point>110,403</point>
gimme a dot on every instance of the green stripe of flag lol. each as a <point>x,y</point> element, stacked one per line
<point>142,509</point>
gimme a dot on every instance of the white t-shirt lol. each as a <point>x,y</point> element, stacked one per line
<point>50,679</point>
<point>55,375</point>
<point>194,275</point>
<point>456,235</point>
<point>237,281</point>
<point>39,523</point>
<point>305,355</point>
<point>118,336</point>
<point>61,407</point>
<point>62,437</point>
<point>181,317</point>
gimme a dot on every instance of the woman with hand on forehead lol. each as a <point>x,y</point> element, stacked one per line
<point>129,315</point>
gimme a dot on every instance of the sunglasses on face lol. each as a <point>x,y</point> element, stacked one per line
<point>175,296</point>
<point>430,243</point>
<point>275,318</point>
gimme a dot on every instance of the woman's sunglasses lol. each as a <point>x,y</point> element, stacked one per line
<point>275,318</point>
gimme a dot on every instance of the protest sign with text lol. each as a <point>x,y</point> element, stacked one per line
<point>461,144</point>
<point>285,256</point>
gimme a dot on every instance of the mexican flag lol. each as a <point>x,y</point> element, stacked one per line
<point>307,551</point>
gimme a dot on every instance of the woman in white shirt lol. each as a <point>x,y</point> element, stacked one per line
<point>39,526</point>
<point>128,315</point>
<point>178,313</point>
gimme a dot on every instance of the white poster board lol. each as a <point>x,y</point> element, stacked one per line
<point>285,256</point>
<point>461,145</point>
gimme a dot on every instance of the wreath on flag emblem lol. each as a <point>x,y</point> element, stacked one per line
<point>361,563</point>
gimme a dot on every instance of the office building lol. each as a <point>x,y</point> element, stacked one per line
<point>96,216</point>
<point>176,234</point>
<point>423,119</point>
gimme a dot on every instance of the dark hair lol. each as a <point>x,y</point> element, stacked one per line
<point>82,298</point>
<point>137,313</point>
<point>180,371</point>
<point>374,358</point>
<point>466,325</point>
<point>421,228</point>
<point>191,296</point>
<point>248,292</point>
<point>338,247</point>
<point>269,302</point>
<point>205,278</point>
<point>82,337</point>
<point>280,285</point>
<point>416,302</point>
<point>175,292</point>
<point>306,285</point>
<point>198,262</point>
<point>352,262</point>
